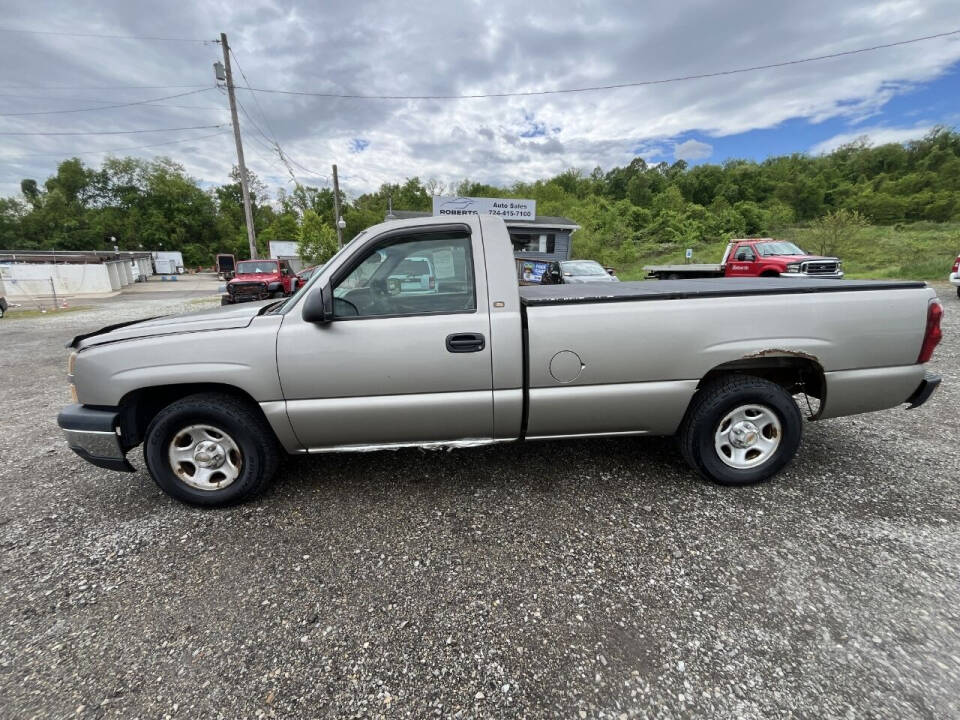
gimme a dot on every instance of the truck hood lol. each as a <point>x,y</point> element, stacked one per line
<point>798,258</point>
<point>256,277</point>
<point>222,318</point>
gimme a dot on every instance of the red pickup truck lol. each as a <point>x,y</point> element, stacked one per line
<point>260,280</point>
<point>756,257</point>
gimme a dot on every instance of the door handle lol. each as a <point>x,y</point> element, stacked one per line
<point>465,342</point>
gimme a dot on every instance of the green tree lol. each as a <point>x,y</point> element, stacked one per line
<point>317,240</point>
<point>833,229</point>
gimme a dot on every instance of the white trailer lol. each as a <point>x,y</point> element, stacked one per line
<point>287,250</point>
<point>167,262</point>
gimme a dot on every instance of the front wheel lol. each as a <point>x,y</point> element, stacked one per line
<point>741,430</point>
<point>958,292</point>
<point>210,449</point>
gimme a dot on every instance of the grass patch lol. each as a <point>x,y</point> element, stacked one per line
<point>22,314</point>
<point>917,251</point>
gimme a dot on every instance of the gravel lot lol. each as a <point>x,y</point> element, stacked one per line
<point>576,579</point>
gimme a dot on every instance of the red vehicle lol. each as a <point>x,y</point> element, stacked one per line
<point>260,280</point>
<point>756,257</point>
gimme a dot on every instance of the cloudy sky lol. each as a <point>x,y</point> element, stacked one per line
<point>463,48</point>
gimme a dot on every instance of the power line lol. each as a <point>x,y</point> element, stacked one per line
<point>107,102</point>
<point>109,37</point>
<point>256,101</point>
<point>105,107</point>
<point>615,86</point>
<point>276,143</point>
<point>125,149</point>
<point>117,132</point>
<point>97,87</point>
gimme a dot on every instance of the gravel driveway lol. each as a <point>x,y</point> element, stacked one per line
<point>572,579</point>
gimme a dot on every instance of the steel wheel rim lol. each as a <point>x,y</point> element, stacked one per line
<point>205,457</point>
<point>748,436</point>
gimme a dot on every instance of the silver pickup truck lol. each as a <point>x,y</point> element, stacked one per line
<point>366,356</point>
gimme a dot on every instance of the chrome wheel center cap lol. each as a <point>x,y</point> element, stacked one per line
<point>744,434</point>
<point>209,454</point>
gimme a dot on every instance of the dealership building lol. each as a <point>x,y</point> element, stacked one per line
<point>542,238</point>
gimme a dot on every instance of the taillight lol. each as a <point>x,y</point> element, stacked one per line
<point>433,282</point>
<point>956,265</point>
<point>933,334</point>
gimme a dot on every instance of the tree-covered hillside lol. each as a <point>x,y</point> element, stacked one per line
<point>908,194</point>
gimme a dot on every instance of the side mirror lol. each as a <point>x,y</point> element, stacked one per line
<point>315,307</point>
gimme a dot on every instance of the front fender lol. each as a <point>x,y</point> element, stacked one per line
<point>243,357</point>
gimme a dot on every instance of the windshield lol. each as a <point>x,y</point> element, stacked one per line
<point>779,248</point>
<point>582,267</point>
<point>255,267</point>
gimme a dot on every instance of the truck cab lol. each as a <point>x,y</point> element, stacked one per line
<point>766,257</point>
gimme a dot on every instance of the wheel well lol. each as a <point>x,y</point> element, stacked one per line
<point>793,373</point>
<point>139,407</point>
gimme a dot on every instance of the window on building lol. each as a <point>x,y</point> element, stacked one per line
<point>534,242</point>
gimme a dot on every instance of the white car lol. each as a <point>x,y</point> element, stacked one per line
<point>955,275</point>
<point>414,276</point>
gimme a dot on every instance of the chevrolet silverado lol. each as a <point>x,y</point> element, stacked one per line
<point>357,360</point>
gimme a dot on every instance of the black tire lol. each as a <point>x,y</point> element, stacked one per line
<point>242,422</point>
<point>709,407</point>
<point>276,294</point>
<point>958,292</point>
<point>225,300</point>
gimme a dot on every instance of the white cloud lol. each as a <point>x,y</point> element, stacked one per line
<point>872,136</point>
<point>419,48</point>
<point>692,150</point>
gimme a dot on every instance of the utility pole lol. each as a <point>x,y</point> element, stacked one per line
<point>336,207</point>
<point>244,187</point>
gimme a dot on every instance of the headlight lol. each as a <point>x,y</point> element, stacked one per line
<point>793,267</point>
<point>71,362</point>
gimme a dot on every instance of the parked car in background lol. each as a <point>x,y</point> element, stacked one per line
<point>351,363</point>
<point>413,275</point>
<point>307,273</point>
<point>546,272</point>
<point>581,271</point>
<point>955,275</point>
<point>259,280</point>
<point>756,257</point>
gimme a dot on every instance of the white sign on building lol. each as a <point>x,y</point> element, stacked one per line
<point>507,208</point>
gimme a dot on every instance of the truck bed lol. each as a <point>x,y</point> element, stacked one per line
<point>536,295</point>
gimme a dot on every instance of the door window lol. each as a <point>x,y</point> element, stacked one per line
<point>414,276</point>
<point>745,254</point>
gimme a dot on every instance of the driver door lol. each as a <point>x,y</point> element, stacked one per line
<point>744,263</point>
<point>406,358</point>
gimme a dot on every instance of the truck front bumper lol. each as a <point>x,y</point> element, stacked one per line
<point>924,390</point>
<point>828,276</point>
<point>94,435</point>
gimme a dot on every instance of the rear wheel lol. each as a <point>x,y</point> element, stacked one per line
<point>741,430</point>
<point>210,449</point>
<point>958,292</point>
